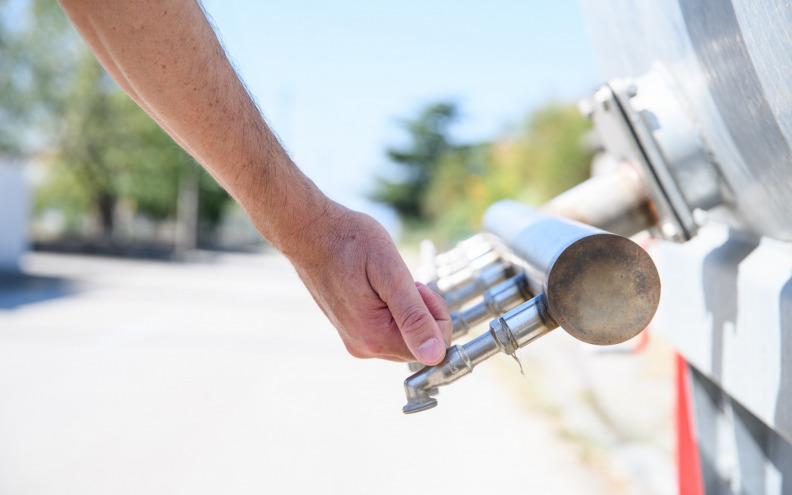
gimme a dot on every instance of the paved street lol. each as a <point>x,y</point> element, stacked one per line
<point>222,376</point>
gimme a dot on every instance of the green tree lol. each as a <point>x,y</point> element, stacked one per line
<point>542,158</point>
<point>532,163</point>
<point>10,109</point>
<point>101,146</point>
<point>418,161</point>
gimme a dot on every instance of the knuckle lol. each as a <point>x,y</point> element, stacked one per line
<point>447,329</point>
<point>368,348</point>
<point>374,348</point>
<point>414,321</point>
<point>356,351</point>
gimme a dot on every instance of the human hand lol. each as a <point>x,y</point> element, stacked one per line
<point>355,274</point>
<point>346,259</point>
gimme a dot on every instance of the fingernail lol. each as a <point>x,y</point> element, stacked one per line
<point>431,351</point>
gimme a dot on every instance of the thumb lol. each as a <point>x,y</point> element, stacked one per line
<point>437,306</point>
<point>418,327</point>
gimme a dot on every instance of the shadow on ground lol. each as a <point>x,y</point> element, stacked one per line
<point>19,289</point>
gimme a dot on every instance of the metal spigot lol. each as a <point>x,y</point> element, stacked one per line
<point>515,329</point>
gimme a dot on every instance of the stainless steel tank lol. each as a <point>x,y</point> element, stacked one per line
<point>731,64</point>
<point>699,98</point>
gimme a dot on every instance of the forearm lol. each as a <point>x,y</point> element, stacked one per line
<point>166,56</point>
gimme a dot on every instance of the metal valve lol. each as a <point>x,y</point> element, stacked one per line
<point>601,288</point>
<point>515,329</point>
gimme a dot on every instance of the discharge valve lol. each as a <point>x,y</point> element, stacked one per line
<point>601,288</point>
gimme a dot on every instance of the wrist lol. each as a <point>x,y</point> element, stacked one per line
<point>310,229</point>
<point>290,212</point>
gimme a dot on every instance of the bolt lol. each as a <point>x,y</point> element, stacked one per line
<point>669,230</point>
<point>700,217</point>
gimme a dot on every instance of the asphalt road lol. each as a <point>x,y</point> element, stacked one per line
<point>222,376</point>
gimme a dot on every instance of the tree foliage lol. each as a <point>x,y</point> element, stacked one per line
<point>100,147</point>
<point>534,162</point>
<point>38,47</point>
<point>418,161</point>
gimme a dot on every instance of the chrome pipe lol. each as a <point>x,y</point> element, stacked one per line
<point>469,254</point>
<point>488,277</point>
<point>449,279</point>
<point>465,265</point>
<point>496,301</point>
<point>616,202</point>
<point>465,251</point>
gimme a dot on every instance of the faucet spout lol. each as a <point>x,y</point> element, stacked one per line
<point>420,387</point>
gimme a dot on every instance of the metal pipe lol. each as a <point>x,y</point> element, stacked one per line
<point>601,288</point>
<point>465,251</point>
<point>465,264</point>
<point>616,201</point>
<point>515,329</point>
<point>449,279</point>
<point>488,277</point>
<point>496,301</point>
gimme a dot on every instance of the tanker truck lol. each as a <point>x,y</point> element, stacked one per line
<point>696,115</point>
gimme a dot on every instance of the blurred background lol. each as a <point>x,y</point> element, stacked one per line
<point>152,343</point>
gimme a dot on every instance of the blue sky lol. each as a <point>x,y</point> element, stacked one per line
<point>335,78</point>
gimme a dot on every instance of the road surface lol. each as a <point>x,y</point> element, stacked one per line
<point>222,376</point>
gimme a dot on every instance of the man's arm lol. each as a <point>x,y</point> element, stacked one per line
<point>165,55</point>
